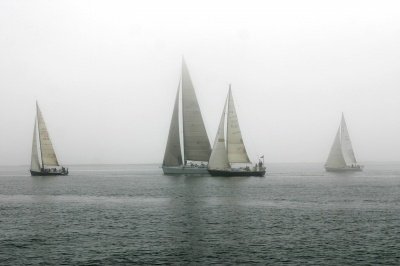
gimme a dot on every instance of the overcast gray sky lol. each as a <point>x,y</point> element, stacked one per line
<point>105,74</point>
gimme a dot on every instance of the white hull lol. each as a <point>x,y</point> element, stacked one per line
<point>185,170</point>
<point>344,169</point>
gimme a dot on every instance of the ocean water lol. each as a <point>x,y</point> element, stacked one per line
<point>131,214</point>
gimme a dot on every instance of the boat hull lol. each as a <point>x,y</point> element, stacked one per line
<point>236,173</point>
<point>185,170</point>
<point>344,169</point>
<point>44,173</point>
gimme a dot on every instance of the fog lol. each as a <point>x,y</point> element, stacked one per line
<point>105,74</point>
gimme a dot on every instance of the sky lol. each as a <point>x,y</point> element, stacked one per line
<point>105,74</point>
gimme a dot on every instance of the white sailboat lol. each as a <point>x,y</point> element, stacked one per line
<point>341,156</point>
<point>43,159</point>
<point>231,150</point>
<point>196,146</point>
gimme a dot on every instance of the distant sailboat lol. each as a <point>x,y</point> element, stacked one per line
<point>46,163</point>
<point>224,155</point>
<point>196,146</point>
<point>341,156</point>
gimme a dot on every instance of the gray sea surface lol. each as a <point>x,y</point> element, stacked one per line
<point>132,214</point>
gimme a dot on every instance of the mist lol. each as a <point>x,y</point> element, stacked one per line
<point>105,74</point>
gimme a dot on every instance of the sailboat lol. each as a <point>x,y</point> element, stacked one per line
<point>341,156</point>
<point>196,146</point>
<point>231,150</point>
<point>46,162</point>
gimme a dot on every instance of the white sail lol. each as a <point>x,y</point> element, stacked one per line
<point>49,157</point>
<point>35,164</point>
<point>219,156</point>
<point>347,148</point>
<point>173,154</point>
<point>335,158</point>
<point>195,140</point>
<point>235,146</point>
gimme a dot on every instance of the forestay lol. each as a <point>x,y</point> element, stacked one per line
<point>35,164</point>
<point>173,154</point>
<point>219,157</point>
<point>335,158</point>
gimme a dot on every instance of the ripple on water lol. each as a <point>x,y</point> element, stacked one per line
<point>138,216</point>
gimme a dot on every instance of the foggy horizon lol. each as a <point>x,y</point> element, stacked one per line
<point>105,75</point>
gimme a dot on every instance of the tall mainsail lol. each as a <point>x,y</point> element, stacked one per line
<point>335,158</point>
<point>195,140</point>
<point>219,157</point>
<point>49,157</point>
<point>347,148</point>
<point>173,154</point>
<point>35,164</point>
<point>235,146</point>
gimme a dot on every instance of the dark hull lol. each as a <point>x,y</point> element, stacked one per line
<point>34,173</point>
<point>349,169</point>
<point>236,173</point>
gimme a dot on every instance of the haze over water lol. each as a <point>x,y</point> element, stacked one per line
<point>106,72</point>
<point>118,214</point>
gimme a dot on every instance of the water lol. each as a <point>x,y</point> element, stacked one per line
<point>132,214</point>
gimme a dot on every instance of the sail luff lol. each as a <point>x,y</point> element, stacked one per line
<point>235,146</point>
<point>173,154</point>
<point>219,156</point>
<point>335,158</point>
<point>35,164</point>
<point>347,147</point>
<point>196,144</point>
<point>48,155</point>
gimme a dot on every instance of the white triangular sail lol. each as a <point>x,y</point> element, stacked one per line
<point>35,164</point>
<point>219,156</point>
<point>49,157</point>
<point>335,158</point>
<point>235,146</point>
<point>347,148</point>
<point>195,140</point>
<point>173,154</point>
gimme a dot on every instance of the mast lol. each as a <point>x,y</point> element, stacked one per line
<point>196,145</point>
<point>228,100</point>
<point>180,120</point>
<point>235,146</point>
<point>347,148</point>
<point>48,155</point>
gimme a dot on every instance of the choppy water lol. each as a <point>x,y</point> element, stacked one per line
<point>132,214</point>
